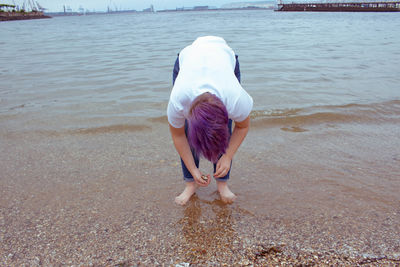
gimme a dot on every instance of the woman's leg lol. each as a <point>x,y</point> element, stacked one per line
<point>187,176</point>
<point>226,194</point>
<point>222,183</point>
<point>191,186</point>
<point>226,177</point>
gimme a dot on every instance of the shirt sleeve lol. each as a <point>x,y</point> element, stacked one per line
<point>175,116</point>
<point>242,107</point>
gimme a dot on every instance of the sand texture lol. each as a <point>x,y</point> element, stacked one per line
<point>105,197</point>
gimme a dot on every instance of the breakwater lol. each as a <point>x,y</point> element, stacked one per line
<point>5,16</point>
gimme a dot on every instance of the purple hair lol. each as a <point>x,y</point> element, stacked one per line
<point>208,132</point>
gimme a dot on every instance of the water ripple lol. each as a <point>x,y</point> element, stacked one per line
<point>288,61</point>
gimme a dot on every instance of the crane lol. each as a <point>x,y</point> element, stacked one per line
<point>40,7</point>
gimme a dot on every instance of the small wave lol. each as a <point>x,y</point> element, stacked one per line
<point>294,129</point>
<point>350,113</point>
<point>274,113</point>
<point>110,129</point>
<point>291,119</point>
<point>17,107</point>
<point>161,119</point>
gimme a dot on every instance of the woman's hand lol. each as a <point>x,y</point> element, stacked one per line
<point>201,179</point>
<point>223,166</point>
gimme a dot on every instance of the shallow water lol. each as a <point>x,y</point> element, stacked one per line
<point>89,173</point>
<point>92,70</point>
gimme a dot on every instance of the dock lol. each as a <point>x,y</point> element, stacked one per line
<point>383,6</point>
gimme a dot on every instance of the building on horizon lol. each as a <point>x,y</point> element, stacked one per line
<point>150,9</point>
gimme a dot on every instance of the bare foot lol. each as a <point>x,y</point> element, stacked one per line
<point>226,194</point>
<point>190,189</point>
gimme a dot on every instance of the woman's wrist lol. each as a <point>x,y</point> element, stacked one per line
<point>196,173</point>
<point>228,155</point>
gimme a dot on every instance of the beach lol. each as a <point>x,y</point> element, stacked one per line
<point>89,172</point>
<point>105,197</point>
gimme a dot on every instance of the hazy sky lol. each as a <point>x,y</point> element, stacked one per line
<point>101,5</point>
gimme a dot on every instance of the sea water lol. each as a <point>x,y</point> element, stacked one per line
<point>97,70</point>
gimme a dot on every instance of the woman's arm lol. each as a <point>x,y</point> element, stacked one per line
<point>182,147</point>
<point>239,133</point>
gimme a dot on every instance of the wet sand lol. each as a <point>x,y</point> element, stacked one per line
<point>316,194</point>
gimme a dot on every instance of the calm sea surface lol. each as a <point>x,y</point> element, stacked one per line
<point>78,72</point>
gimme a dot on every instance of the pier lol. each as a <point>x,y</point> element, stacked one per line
<point>382,6</point>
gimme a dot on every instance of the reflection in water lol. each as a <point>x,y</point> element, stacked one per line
<point>207,234</point>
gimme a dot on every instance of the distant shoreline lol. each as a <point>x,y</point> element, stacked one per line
<point>9,16</point>
<point>216,9</point>
<point>57,14</point>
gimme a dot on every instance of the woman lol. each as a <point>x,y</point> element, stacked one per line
<point>205,98</point>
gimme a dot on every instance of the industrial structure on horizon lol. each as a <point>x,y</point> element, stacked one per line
<point>26,6</point>
<point>31,9</point>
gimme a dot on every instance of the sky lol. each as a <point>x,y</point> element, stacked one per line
<point>101,5</point>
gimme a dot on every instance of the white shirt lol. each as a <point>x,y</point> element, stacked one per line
<point>207,65</point>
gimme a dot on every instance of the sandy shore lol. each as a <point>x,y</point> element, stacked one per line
<point>325,195</point>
